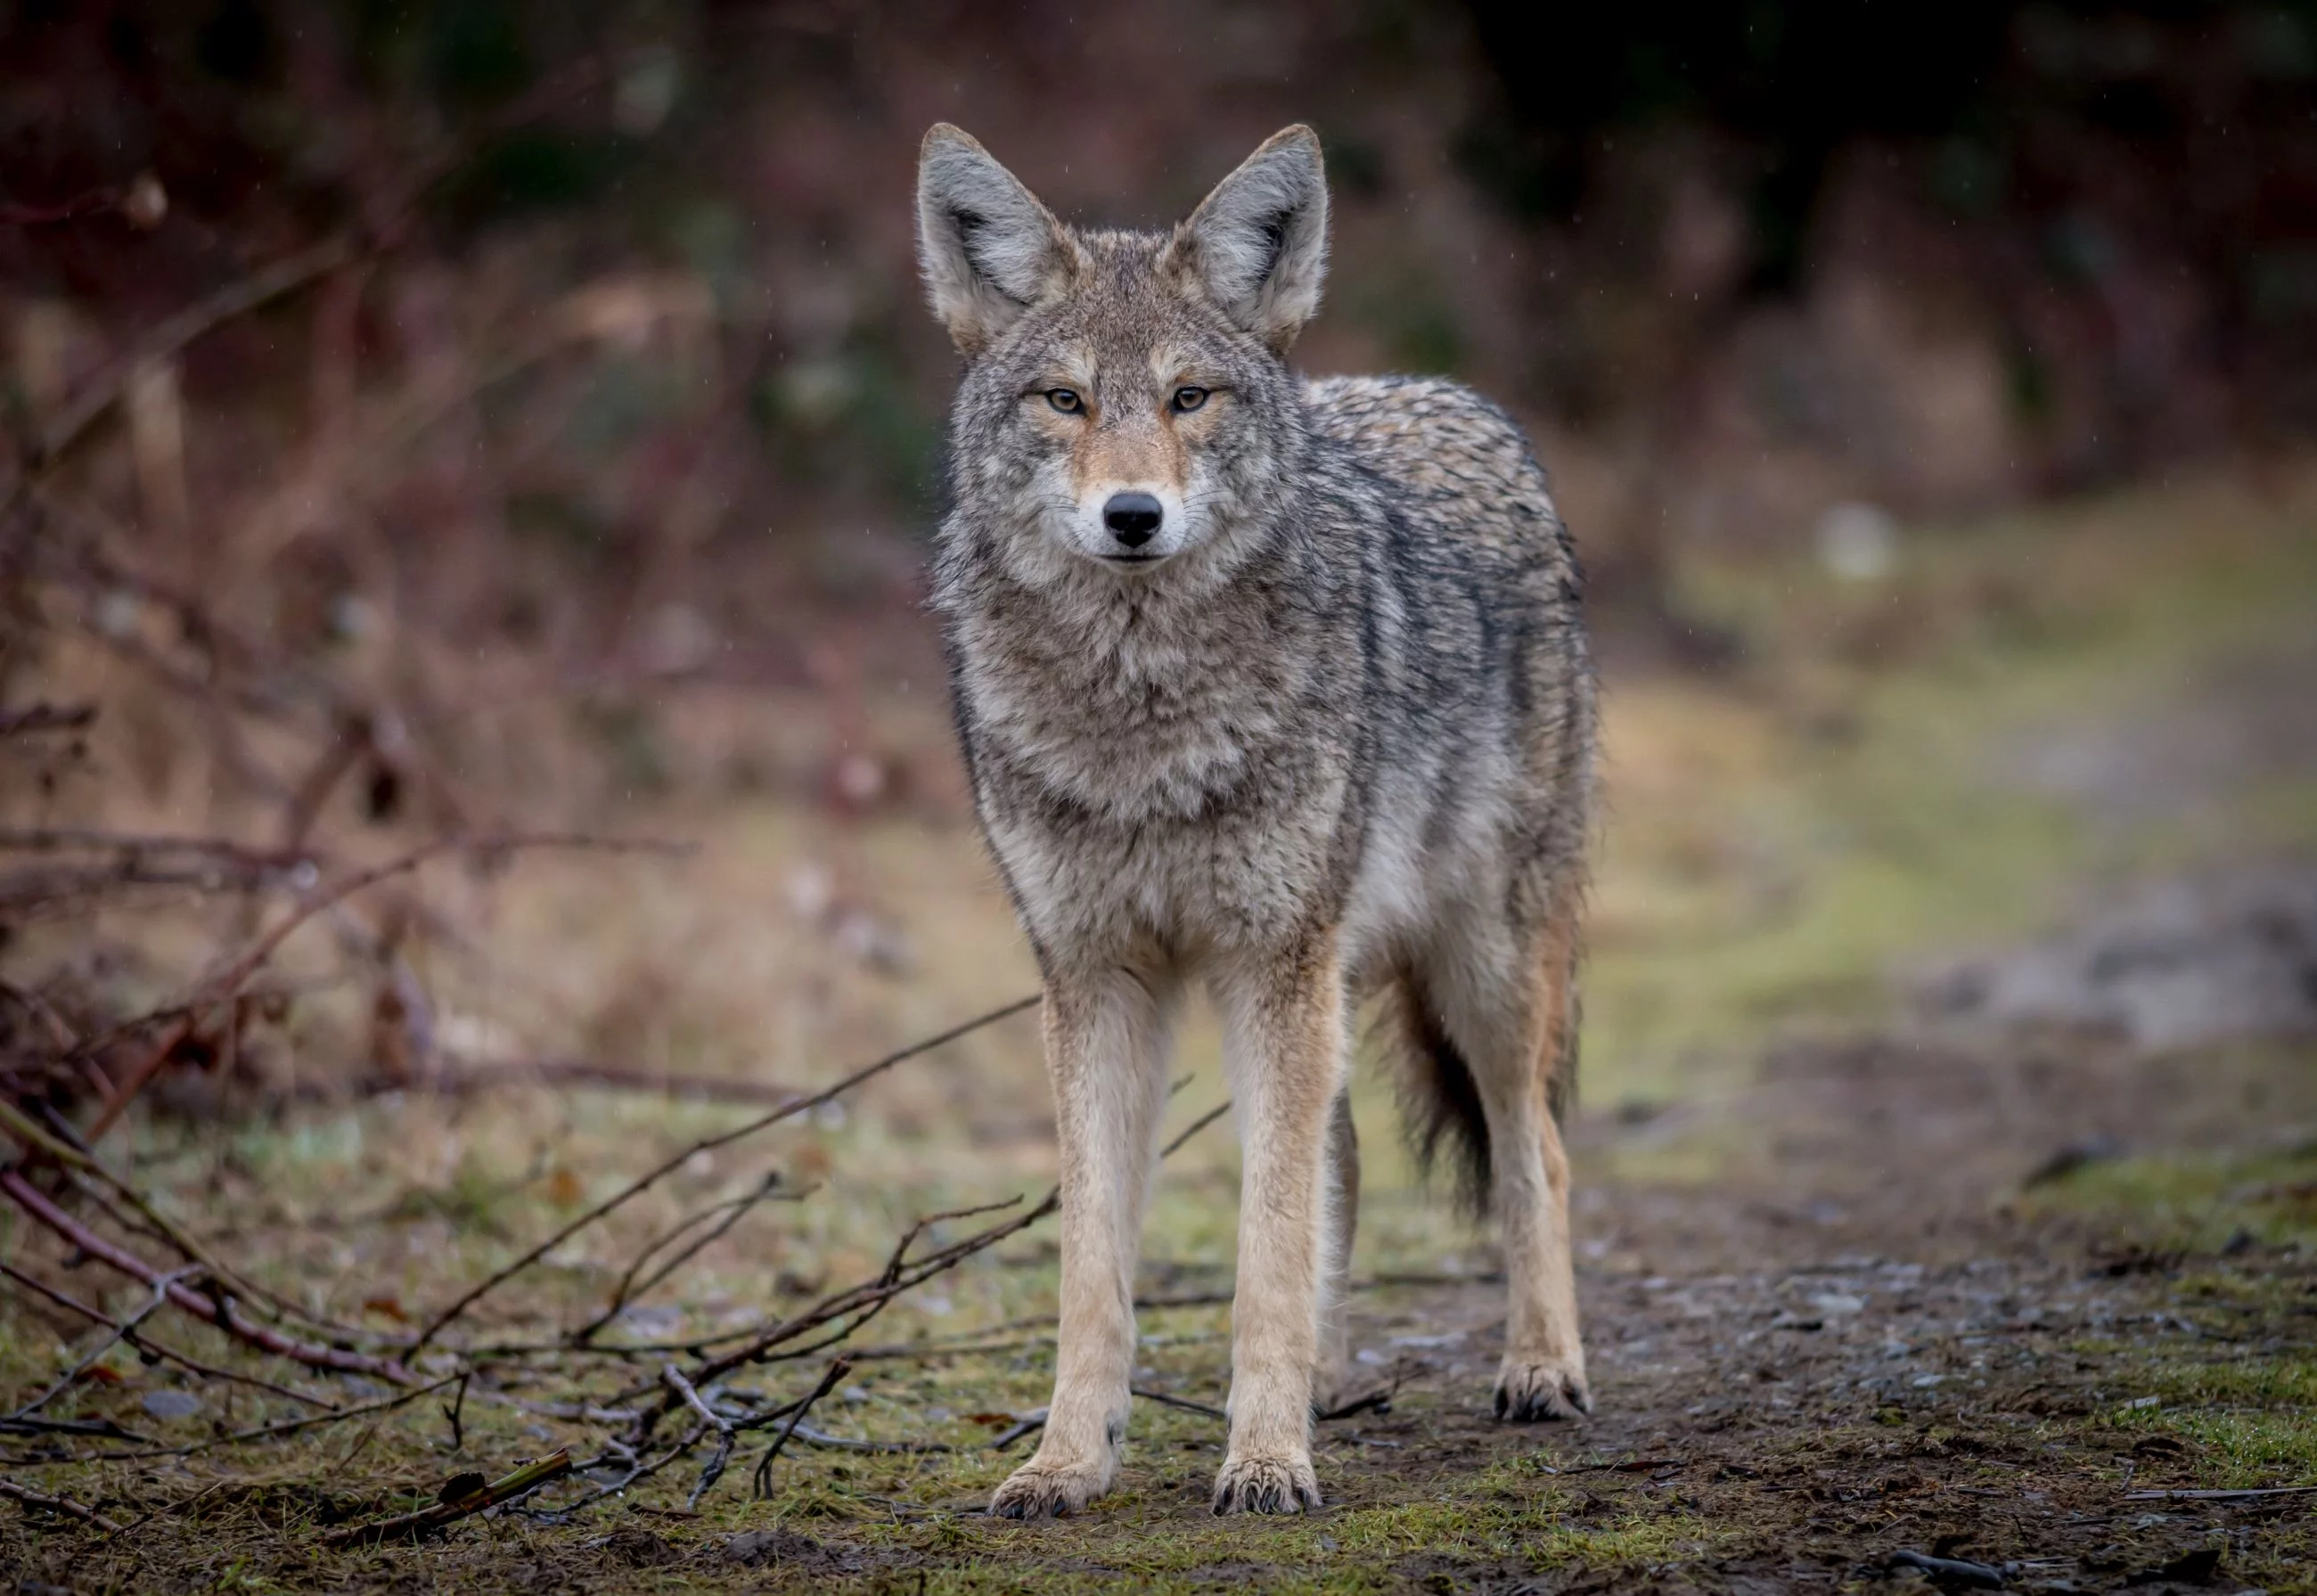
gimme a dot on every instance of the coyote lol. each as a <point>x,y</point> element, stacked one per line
<point>1281,685</point>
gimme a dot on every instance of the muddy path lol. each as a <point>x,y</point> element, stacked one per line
<point>1897,1330</point>
<point>1903,1322</point>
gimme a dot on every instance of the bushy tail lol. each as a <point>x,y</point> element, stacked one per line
<point>1440,1102</point>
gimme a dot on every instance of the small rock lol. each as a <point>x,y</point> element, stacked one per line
<point>172,1405</point>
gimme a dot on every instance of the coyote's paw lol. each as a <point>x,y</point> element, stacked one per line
<point>1547,1388</point>
<point>1266,1485</point>
<point>1040,1490</point>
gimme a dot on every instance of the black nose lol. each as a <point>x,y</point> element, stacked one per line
<point>1132,517</point>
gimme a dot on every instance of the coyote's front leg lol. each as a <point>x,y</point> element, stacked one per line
<point>1283,1026</point>
<point>1105,1042</point>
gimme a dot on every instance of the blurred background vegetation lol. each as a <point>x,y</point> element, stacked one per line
<point>632,370</point>
<point>579,453</point>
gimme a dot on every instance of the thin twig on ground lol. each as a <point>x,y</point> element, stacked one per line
<point>521,1482</point>
<point>456,1413</point>
<point>58,1504</point>
<point>1028,1424</point>
<point>147,1344</point>
<point>262,1432</point>
<point>123,1331</point>
<point>217,1310</point>
<point>1166,1400</point>
<point>762,1478</point>
<point>725,1214</point>
<point>634,1188</point>
<point>715,1471</point>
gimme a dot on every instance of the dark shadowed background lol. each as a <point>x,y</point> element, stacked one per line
<point>642,299</point>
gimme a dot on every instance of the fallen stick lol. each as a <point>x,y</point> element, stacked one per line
<point>123,1331</point>
<point>858,1304</point>
<point>1184,1403</point>
<point>58,1504</point>
<point>478,1496</point>
<point>865,1299</point>
<point>724,1214</point>
<point>1028,1424</point>
<point>81,1162</point>
<point>1378,1401</point>
<point>261,1432</point>
<point>902,1352</point>
<point>636,1188</point>
<point>845,1443</point>
<point>218,1310</point>
<point>637,1472</point>
<point>761,1477</point>
<point>715,1471</point>
<point>1949,1571</point>
<point>2218,1495</point>
<point>848,1310</point>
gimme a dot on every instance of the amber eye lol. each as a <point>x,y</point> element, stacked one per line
<point>1066,401</point>
<point>1187,399</point>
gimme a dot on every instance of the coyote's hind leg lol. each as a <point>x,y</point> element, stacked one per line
<point>1509,1005</point>
<point>1332,1375</point>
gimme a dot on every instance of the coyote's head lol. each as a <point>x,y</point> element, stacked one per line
<point>1126,397</point>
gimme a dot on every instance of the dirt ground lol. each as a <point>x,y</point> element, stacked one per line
<point>1911,1322</point>
<point>1946,1209</point>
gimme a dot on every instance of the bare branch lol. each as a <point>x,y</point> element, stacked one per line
<point>145,1344</point>
<point>763,1479</point>
<point>57,1504</point>
<point>644,1183</point>
<point>521,1482</point>
<point>218,1310</point>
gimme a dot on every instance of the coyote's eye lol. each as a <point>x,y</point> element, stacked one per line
<point>1188,398</point>
<point>1065,399</point>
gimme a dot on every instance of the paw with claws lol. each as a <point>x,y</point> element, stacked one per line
<point>1040,1489</point>
<point>1546,1388</point>
<point>1260,1485</point>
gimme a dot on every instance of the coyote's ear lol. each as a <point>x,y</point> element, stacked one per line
<point>987,249</point>
<point>1259,241</point>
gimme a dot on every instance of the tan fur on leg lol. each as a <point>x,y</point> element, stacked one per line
<point>1105,1043</point>
<point>1283,1050</point>
<point>1542,1375</point>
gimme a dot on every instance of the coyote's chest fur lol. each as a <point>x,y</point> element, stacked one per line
<point>1147,770</point>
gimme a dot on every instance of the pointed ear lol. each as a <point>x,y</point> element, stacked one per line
<point>1259,244</point>
<point>987,249</point>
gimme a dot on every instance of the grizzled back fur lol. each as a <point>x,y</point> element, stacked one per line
<point>1236,655</point>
